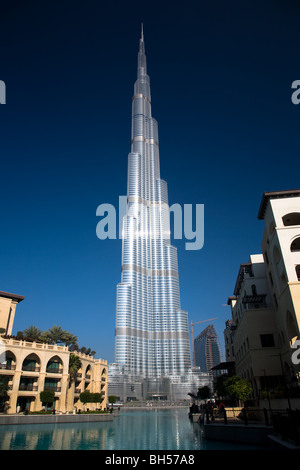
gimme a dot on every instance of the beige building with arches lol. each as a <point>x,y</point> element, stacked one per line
<point>32,367</point>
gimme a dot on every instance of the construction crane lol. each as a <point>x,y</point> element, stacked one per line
<point>192,336</point>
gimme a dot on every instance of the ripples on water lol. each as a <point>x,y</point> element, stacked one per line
<point>133,430</point>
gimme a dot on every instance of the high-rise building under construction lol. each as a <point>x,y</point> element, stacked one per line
<point>207,349</point>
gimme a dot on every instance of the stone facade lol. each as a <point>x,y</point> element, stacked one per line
<point>32,367</point>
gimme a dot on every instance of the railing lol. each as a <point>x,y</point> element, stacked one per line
<point>33,344</point>
<point>52,370</point>
<point>52,389</point>
<point>8,366</point>
<point>287,425</point>
<point>28,388</point>
<point>255,299</point>
<point>31,368</point>
<point>236,415</point>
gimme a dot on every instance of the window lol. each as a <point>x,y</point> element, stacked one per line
<point>267,340</point>
<point>276,254</point>
<point>271,278</point>
<point>295,245</point>
<point>298,271</point>
<point>253,288</point>
<point>283,279</point>
<point>291,219</point>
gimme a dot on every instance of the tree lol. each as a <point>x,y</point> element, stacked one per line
<point>55,335</point>
<point>238,388</point>
<point>47,396</point>
<point>4,397</point>
<point>203,393</point>
<point>112,399</point>
<point>74,365</point>
<point>220,386</point>
<point>98,397</point>
<point>88,397</point>
<point>32,332</point>
<point>70,340</point>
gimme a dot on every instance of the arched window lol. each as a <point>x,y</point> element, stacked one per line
<point>295,245</point>
<point>291,219</point>
<point>31,363</point>
<point>253,288</point>
<point>55,365</point>
<point>8,360</point>
<point>88,372</point>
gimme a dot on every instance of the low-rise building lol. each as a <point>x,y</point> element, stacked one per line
<point>32,367</point>
<point>265,308</point>
<point>281,250</point>
<point>253,328</point>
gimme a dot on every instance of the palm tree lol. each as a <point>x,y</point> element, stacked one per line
<point>74,365</point>
<point>70,340</point>
<point>32,332</point>
<point>4,397</point>
<point>55,334</point>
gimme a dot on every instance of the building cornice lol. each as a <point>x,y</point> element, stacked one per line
<point>14,297</point>
<point>275,195</point>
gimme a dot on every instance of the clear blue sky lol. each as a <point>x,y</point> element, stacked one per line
<point>221,75</point>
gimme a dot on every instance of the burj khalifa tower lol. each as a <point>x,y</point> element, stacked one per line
<point>152,331</point>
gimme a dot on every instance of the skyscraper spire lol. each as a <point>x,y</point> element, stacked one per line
<point>142,42</point>
<point>142,63</point>
<point>142,32</point>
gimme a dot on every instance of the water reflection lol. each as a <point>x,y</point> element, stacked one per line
<point>133,430</point>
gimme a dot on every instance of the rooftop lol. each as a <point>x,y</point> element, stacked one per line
<point>15,297</point>
<point>275,195</point>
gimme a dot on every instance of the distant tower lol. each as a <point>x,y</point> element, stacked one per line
<point>207,349</point>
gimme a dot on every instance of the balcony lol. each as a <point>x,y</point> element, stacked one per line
<point>8,366</point>
<point>28,388</point>
<point>31,368</point>
<point>255,301</point>
<point>53,370</point>
<point>52,388</point>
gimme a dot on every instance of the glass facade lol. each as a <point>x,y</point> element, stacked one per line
<point>152,335</point>
<point>207,349</point>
